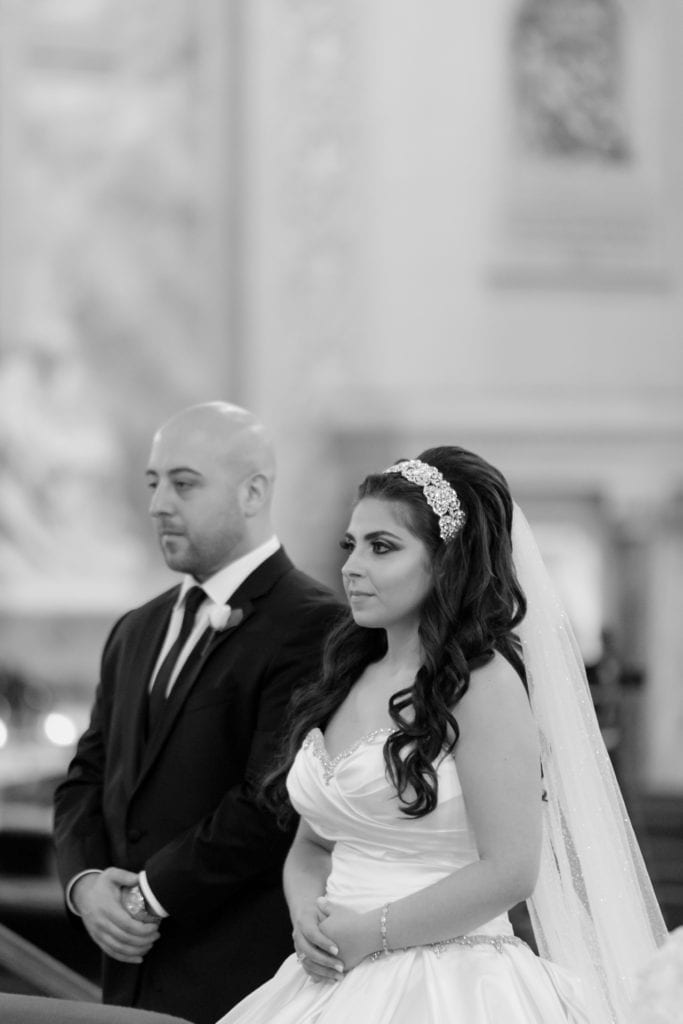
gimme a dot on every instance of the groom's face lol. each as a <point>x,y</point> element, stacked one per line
<point>195,500</point>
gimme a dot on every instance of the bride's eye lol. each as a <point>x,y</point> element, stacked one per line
<point>380,547</point>
<point>345,544</point>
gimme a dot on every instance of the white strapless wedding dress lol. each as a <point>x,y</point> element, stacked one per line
<point>379,856</point>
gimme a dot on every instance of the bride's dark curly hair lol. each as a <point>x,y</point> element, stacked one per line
<point>471,612</point>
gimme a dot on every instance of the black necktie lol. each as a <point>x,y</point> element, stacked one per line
<point>157,697</point>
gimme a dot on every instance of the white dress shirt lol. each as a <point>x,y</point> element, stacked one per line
<point>219,589</point>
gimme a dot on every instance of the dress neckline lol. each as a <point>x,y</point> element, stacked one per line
<point>316,741</point>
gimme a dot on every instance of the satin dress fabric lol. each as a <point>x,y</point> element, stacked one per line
<point>379,856</point>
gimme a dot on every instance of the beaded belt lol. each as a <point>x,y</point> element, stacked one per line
<point>497,941</point>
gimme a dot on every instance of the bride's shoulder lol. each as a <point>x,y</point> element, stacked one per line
<point>494,689</point>
<point>498,668</point>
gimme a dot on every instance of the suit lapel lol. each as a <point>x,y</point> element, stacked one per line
<point>143,660</point>
<point>262,579</point>
<point>255,586</point>
<point>213,639</point>
<point>207,644</point>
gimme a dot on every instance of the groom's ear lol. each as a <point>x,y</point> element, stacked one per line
<point>254,494</point>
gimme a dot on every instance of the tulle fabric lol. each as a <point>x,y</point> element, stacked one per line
<point>593,909</point>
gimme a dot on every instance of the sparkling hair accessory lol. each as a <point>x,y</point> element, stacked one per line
<point>439,494</point>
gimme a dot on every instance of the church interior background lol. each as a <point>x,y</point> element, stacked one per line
<point>380,228</point>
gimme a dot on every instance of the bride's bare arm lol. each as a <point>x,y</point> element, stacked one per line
<point>305,875</point>
<point>499,769</point>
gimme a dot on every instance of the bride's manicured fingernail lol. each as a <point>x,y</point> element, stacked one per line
<point>333,950</point>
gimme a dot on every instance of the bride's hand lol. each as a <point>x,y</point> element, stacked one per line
<point>315,951</point>
<point>352,933</point>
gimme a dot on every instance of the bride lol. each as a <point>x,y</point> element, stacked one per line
<point>447,766</point>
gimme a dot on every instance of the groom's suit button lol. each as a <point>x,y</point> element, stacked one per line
<point>134,834</point>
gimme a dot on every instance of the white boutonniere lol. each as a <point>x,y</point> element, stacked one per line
<point>219,616</point>
<point>222,617</point>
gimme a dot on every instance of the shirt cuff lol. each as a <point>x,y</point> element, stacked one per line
<point>69,889</point>
<point>151,899</point>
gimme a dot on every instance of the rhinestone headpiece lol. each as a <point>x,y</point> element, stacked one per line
<point>439,494</point>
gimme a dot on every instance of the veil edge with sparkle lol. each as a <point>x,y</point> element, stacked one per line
<point>593,909</point>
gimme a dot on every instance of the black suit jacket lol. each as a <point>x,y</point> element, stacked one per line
<point>183,805</point>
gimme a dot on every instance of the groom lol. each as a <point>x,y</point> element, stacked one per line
<point>161,846</point>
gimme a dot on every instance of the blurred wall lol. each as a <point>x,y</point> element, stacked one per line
<point>118,274</point>
<point>380,228</point>
<point>466,227</point>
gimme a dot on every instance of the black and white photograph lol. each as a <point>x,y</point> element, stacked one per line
<point>341,512</point>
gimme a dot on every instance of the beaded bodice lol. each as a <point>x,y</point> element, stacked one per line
<point>380,854</point>
<point>316,743</point>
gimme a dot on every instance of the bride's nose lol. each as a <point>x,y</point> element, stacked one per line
<point>351,568</point>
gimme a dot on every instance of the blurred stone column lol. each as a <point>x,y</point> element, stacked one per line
<point>303,301</point>
<point>120,243</point>
<point>649,601</point>
<point>9,51</point>
<point>664,709</point>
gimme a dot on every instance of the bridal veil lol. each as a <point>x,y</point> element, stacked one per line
<point>593,909</point>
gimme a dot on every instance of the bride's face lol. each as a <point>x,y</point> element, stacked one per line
<point>388,572</point>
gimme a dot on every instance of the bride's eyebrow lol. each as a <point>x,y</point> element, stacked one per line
<point>373,535</point>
